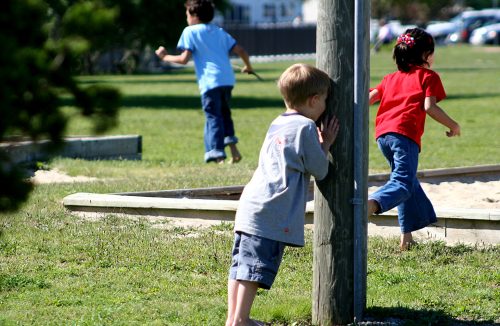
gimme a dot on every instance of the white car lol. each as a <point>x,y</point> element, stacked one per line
<point>441,30</point>
<point>489,34</point>
<point>459,28</point>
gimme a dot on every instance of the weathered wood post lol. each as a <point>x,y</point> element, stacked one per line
<point>339,272</point>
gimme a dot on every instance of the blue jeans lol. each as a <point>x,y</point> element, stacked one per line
<point>403,189</point>
<point>219,128</point>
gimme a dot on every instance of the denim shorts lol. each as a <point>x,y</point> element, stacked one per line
<point>255,259</point>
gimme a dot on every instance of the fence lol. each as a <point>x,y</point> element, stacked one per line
<point>275,39</point>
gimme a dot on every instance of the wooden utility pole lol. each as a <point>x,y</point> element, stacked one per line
<point>340,199</point>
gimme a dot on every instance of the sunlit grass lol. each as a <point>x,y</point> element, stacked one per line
<point>57,268</point>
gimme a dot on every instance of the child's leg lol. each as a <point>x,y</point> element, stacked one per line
<point>232,294</point>
<point>406,241</point>
<point>373,207</point>
<point>236,156</point>
<point>244,292</point>
<point>403,189</point>
<point>417,211</point>
<point>402,155</point>
<point>229,134</point>
<point>214,126</point>
<point>244,279</point>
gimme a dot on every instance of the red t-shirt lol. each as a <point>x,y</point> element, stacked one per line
<point>402,96</point>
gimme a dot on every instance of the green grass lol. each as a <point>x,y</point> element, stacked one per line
<point>57,268</point>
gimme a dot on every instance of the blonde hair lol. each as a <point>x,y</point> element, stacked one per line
<point>301,81</point>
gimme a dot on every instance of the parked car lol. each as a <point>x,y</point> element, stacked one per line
<point>459,28</point>
<point>441,30</point>
<point>489,34</point>
<point>470,21</point>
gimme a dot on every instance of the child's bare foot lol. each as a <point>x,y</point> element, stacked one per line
<point>372,207</point>
<point>249,322</point>
<point>406,241</point>
<point>236,156</point>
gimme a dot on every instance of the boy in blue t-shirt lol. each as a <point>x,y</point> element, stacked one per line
<point>272,206</point>
<point>210,47</point>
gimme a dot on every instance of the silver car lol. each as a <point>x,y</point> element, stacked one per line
<point>489,34</point>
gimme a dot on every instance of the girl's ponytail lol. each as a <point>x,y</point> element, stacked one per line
<point>412,48</point>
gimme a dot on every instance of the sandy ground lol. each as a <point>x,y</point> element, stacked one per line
<point>457,192</point>
<point>56,176</point>
<point>463,192</point>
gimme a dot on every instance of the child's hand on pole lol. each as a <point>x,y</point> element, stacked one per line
<point>328,132</point>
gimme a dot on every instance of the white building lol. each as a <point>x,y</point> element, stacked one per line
<point>310,11</point>
<point>257,12</point>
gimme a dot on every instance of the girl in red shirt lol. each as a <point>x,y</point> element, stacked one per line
<point>406,97</point>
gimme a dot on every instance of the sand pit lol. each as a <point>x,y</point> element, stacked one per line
<point>462,192</point>
<point>458,192</point>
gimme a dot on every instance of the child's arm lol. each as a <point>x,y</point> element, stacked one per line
<point>240,51</point>
<point>374,96</point>
<point>440,116</point>
<point>328,133</point>
<point>182,58</point>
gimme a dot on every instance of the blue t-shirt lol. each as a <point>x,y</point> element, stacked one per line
<point>210,46</point>
<point>273,203</point>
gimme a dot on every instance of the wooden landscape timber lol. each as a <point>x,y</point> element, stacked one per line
<point>125,147</point>
<point>471,226</point>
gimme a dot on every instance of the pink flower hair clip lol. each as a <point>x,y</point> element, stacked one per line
<point>406,39</point>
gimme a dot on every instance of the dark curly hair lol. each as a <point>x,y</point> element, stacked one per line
<point>413,48</point>
<point>203,9</point>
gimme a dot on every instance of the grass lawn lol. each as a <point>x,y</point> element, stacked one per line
<point>56,268</point>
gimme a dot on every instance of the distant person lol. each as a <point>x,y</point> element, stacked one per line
<point>210,47</point>
<point>272,206</point>
<point>297,21</point>
<point>384,36</point>
<point>406,97</point>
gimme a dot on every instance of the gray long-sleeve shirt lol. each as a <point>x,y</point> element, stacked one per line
<point>273,203</point>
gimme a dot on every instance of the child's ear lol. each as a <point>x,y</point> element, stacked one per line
<point>313,99</point>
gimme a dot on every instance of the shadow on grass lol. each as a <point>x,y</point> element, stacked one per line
<point>410,317</point>
<point>466,69</point>
<point>187,102</point>
<point>194,102</point>
<point>139,81</point>
<point>471,96</point>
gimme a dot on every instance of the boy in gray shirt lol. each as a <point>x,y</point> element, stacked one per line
<point>272,206</point>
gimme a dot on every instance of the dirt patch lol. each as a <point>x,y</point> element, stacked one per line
<point>56,176</point>
<point>489,49</point>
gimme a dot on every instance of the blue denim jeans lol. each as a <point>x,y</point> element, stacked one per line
<point>403,189</point>
<point>219,128</point>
